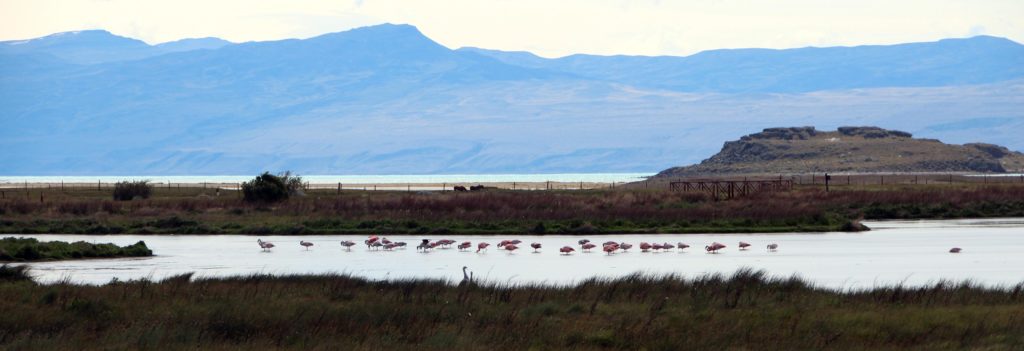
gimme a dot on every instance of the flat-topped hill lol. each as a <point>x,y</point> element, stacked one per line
<point>849,149</point>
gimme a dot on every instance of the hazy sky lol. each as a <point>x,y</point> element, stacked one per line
<point>546,27</point>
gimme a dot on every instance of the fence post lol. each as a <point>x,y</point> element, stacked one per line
<point>98,186</point>
<point>339,187</point>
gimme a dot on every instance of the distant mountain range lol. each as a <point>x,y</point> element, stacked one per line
<point>387,100</point>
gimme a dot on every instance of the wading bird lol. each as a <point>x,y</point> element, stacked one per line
<point>773,247</point>
<point>265,245</point>
<point>583,241</point>
<point>305,243</point>
<point>744,245</point>
<point>625,246</point>
<point>565,250</point>
<point>954,250</point>
<point>588,246</point>
<point>714,247</point>
<point>466,278</point>
<point>511,247</point>
<point>535,246</point>
<point>424,245</point>
<point>348,244</point>
<point>482,246</point>
<point>682,246</point>
<point>644,247</point>
<point>465,245</point>
<point>609,249</point>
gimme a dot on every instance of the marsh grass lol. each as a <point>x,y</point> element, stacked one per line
<point>29,249</point>
<point>747,310</point>
<point>504,212</point>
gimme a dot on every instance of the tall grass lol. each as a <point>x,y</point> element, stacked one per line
<point>625,211</point>
<point>747,310</point>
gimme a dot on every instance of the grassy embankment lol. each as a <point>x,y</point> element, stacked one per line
<point>28,249</point>
<point>744,311</point>
<point>198,211</point>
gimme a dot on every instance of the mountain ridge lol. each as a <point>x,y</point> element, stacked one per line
<point>388,99</point>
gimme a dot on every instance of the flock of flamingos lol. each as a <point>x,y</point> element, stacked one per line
<point>609,247</point>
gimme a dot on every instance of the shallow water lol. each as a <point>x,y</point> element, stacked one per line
<point>908,252</point>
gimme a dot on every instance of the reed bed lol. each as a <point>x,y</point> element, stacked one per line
<point>746,310</point>
<point>505,212</point>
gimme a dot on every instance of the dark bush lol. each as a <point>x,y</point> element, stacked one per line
<point>271,188</point>
<point>129,190</point>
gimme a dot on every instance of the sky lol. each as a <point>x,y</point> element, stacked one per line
<point>546,27</point>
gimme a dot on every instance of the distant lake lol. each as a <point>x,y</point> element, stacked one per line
<point>353,179</point>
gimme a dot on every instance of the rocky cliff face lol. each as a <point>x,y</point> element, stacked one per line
<point>849,149</point>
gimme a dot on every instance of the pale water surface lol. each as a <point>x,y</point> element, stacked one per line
<point>909,252</point>
<point>350,179</point>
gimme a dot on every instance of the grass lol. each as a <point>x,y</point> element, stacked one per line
<point>199,211</point>
<point>747,310</point>
<point>28,249</point>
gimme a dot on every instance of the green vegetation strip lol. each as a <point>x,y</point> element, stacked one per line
<point>744,311</point>
<point>28,249</point>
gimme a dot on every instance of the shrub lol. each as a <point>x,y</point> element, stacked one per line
<point>271,188</point>
<point>129,190</point>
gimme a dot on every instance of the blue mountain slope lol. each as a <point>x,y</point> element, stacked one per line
<point>976,60</point>
<point>386,99</point>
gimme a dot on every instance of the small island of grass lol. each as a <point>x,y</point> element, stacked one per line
<point>29,249</point>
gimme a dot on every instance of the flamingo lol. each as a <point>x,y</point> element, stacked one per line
<point>376,245</point>
<point>588,246</point>
<point>465,245</point>
<point>611,248</point>
<point>504,242</point>
<point>744,245</point>
<point>511,247</point>
<point>583,241</point>
<point>682,246</point>
<point>535,246</point>
<point>954,250</point>
<point>714,247</point>
<point>773,247</point>
<point>482,246</point>
<point>606,243</point>
<point>305,243</point>
<point>388,247</point>
<point>644,247</point>
<point>385,241</point>
<point>625,246</point>
<point>425,245</point>
<point>667,246</point>
<point>400,244</point>
<point>265,245</point>
<point>515,242</point>
<point>565,250</point>
<point>348,244</point>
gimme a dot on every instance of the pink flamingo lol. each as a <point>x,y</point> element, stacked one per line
<point>773,246</point>
<point>565,250</point>
<point>515,242</point>
<point>583,241</point>
<point>482,246</point>
<point>504,242</point>
<point>305,243</point>
<point>385,241</point>
<point>714,247</point>
<point>389,246</point>
<point>588,246</point>
<point>535,246</point>
<point>644,247</point>
<point>682,246</point>
<point>465,245</point>
<point>611,248</point>
<point>606,243</point>
<point>625,246</point>
<point>954,250</point>
<point>265,245</point>
<point>511,247</point>
<point>744,245</point>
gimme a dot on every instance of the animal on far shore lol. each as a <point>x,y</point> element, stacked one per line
<point>476,188</point>
<point>460,188</point>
